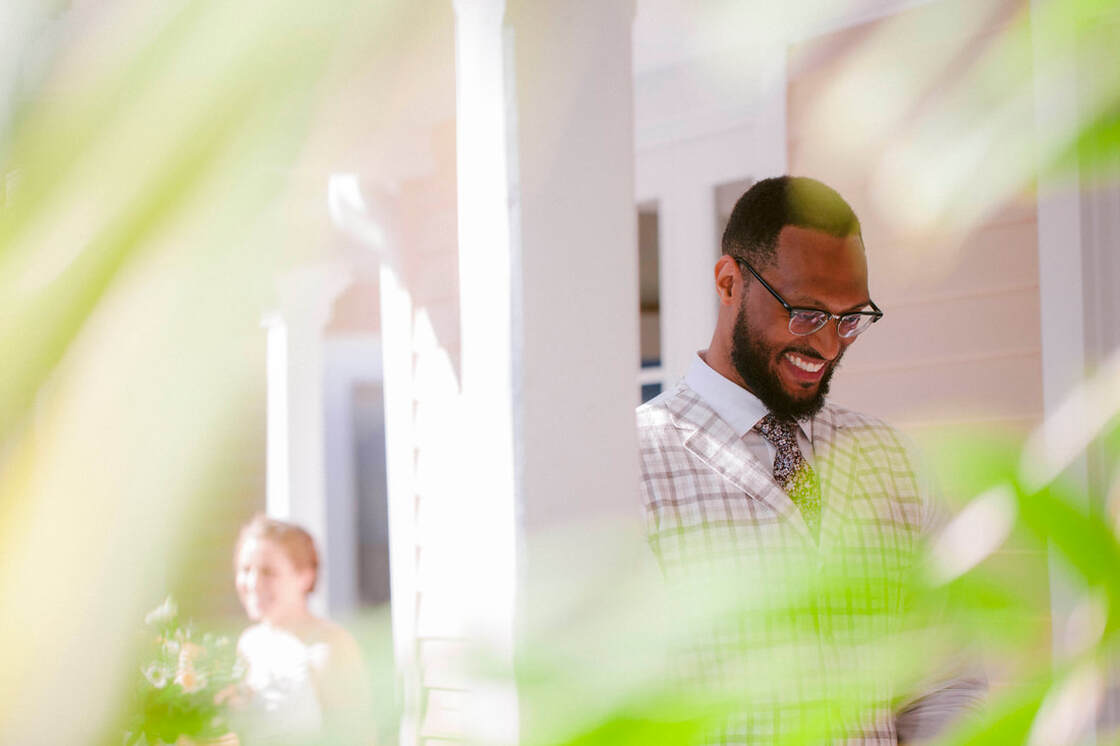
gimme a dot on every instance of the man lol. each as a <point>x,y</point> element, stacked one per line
<point>814,511</point>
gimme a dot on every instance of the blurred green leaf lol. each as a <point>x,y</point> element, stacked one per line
<point>1082,539</point>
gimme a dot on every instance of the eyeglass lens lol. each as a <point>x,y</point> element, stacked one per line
<point>804,322</point>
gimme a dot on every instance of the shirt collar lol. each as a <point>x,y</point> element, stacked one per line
<point>735,405</point>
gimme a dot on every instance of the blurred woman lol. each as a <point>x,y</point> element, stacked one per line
<point>305,677</point>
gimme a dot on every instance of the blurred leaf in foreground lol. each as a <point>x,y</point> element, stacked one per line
<point>138,245</point>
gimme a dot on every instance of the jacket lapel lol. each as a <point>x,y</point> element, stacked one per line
<point>715,443</point>
<point>834,457</point>
<point>824,432</point>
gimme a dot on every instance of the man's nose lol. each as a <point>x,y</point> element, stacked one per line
<point>826,341</point>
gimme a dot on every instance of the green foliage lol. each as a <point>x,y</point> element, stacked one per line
<point>188,680</point>
<point>591,683</point>
<point>176,125</point>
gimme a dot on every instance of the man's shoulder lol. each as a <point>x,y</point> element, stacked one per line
<point>857,422</point>
<point>657,408</point>
<point>869,432</point>
<point>674,405</point>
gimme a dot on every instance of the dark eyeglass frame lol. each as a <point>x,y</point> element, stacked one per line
<point>825,316</point>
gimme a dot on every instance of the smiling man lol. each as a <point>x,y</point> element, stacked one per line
<point>745,462</point>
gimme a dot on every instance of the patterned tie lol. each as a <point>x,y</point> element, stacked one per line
<point>792,471</point>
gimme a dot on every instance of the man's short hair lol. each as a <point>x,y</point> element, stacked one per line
<point>772,204</point>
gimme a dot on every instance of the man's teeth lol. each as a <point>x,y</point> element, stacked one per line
<point>804,364</point>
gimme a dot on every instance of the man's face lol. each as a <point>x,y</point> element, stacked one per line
<point>790,374</point>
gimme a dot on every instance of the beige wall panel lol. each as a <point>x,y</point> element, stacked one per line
<point>437,280</point>
<point>961,339</point>
<point>358,310</point>
<point>996,388</point>
<point>995,257</point>
<point>968,328</point>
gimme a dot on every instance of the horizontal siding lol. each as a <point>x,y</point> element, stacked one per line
<point>984,388</point>
<point>991,257</point>
<point>935,426</point>
<point>960,343</point>
<point>976,327</point>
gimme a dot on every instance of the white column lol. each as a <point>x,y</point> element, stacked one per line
<point>576,272</point>
<point>296,480</point>
<point>548,293</point>
<point>277,494</point>
<point>577,262</point>
<point>485,292</point>
<point>400,460</point>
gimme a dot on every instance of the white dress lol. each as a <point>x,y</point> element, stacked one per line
<point>284,705</point>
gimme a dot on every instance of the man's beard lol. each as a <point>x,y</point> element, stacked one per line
<point>753,360</point>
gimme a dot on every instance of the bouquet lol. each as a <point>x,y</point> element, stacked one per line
<point>188,683</point>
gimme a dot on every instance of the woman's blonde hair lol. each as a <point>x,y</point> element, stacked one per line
<point>295,542</point>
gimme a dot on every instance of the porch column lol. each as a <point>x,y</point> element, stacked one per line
<point>576,262</point>
<point>487,533</point>
<point>576,314</point>
<point>549,299</point>
<point>296,479</point>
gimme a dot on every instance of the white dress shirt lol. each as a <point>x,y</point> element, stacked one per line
<point>742,410</point>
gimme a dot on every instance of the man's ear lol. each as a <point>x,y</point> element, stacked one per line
<point>729,281</point>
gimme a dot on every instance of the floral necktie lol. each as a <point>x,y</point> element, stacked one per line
<point>792,471</point>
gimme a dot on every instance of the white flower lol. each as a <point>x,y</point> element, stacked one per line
<point>190,680</point>
<point>187,677</point>
<point>156,675</point>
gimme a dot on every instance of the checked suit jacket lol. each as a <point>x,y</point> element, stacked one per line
<point>796,651</point>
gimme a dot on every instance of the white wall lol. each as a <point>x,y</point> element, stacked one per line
<point>699,124</point>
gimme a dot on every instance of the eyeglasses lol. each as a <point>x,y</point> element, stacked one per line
<point>805,321</point>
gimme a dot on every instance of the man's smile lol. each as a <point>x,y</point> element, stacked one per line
<point>802,370</point>
<point>804,364</point>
